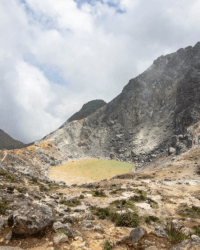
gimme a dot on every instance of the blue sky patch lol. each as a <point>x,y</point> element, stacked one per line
<point>92,2</point>
<point>51,72</point>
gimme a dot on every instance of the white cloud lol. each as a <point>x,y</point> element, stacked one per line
<point>96,48</point>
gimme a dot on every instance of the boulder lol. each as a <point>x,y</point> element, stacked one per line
<point>171,150</point>
<point>180,148</point>
<point>30,220</point>
<point>63,227</point>
<point>67,218</point>
<point>160,232</point>
<point>137,233</point>
<point>60,237</point>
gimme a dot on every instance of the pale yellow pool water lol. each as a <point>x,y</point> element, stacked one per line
<point>88,170</point>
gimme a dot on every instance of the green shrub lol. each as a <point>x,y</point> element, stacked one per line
<point>148,220</point>
<point>124,204</point>
<point>127,219</point>
<point>152,218</point>
<point>72,203</point>
<point>21,189</point>
<point>197,230</point>
<point>53,187</point>
<point>175,234</point>
<point>8,177</point>
<point>81,196</point>
<point>34,180</point>
<point>107,245</point>
<point>102,213</point>
<point>98,193</point>
<point>3,206</point>
<point>142,196</point>
<point>193,212</point>
<point>42,188</point>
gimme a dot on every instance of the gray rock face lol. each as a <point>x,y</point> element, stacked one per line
<point>141,122</point>
<point>1,224</point>
<point>137,233</point>
<point>30,220</point>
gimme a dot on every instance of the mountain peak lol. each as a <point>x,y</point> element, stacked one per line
<point>87,109</point>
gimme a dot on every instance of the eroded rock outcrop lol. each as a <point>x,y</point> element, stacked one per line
<point>139,124</point>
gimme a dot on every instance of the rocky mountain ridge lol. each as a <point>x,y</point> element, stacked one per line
<point>7,142</point>
<point>143,121</point>
<point>87,109</point>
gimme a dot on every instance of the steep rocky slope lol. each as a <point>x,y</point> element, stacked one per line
<point>87,109</point>
<point>7,142</point>
<point>145,119</point>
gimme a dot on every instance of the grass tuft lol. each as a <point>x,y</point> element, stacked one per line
<point>59,231</point>
<point>175,234</point>
<point>72,203</point>
<point>107,245</point>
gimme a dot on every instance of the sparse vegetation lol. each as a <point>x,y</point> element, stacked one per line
<point>53,187</point>
<point>3,186</point>
<point>42,188</point>
<point>127,219</point>
<point>193,212</point>
<point>59,231</point>
<point>197,230</point>
<point>81,196</point>
<point>8,177</point>
<point>71,203</point>
<point>119,204</point>
<point>21,189</point>
<point>34,180</point>
<point>107,245</point>
<point>116,191</point>
<point>150,218</point>
<point>147,177</point>
<point>175,234</point>
<point>3,206</point>
<point>97,193</point>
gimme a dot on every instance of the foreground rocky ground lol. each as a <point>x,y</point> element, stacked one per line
<point>38,213</point>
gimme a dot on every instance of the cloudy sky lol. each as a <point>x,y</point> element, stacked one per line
<point>56,55</point>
